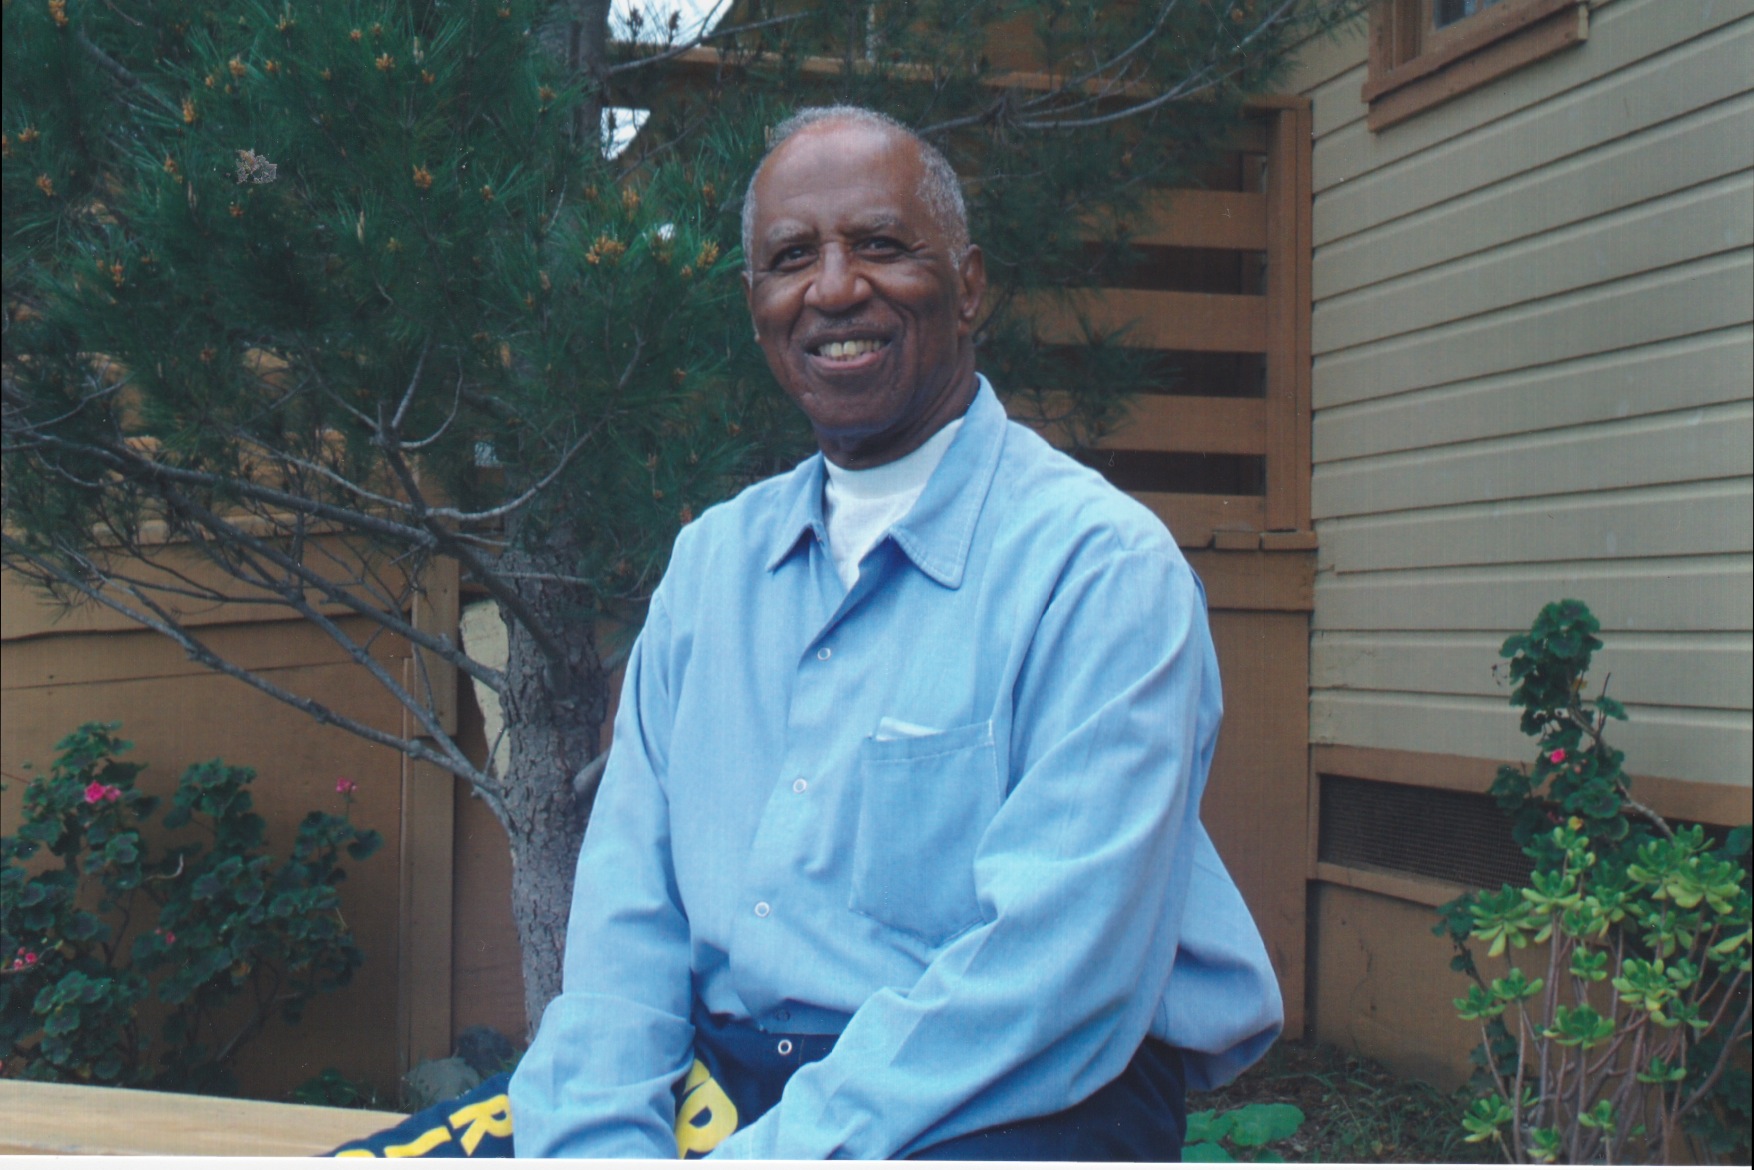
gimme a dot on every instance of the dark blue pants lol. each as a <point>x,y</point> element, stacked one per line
<point>740,1072</point>
<point>1139,1116</point>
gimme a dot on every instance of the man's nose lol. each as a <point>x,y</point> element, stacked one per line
<point>840,281</point>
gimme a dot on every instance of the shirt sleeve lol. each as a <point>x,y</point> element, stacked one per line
<point>1082,878</point>
<point>599,1079</point>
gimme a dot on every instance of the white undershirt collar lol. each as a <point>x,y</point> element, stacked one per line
<point>859,507</point>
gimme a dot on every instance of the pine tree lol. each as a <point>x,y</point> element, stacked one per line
<point>328,293</point>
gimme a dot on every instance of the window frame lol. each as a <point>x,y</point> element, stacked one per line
<point>1415,66</point>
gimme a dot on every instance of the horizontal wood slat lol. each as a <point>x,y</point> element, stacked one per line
<point>1691,800</point>
<point>1256,581</point>
<point>1185,218</point>
<point>1700,594</point>
<point>1167,422</point>
<point>1213,426</point>
<point>1200,322</point>
<point>1192,519</point>
<point>1711,747</point>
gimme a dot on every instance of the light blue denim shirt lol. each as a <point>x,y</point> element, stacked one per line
<point>951,814</point>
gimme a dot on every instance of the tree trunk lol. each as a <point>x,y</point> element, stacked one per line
<point>554,708</point>
<point>587,55</point>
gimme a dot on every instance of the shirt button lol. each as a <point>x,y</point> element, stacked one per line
<point>825,654</point>
<point>762,909</point>
<point>785,1047</point>
<point>800,784</point>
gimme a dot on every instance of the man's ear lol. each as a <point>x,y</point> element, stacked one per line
<point>973,272</point>
<point>749,299</point>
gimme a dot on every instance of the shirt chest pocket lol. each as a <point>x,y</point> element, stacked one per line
<point>924,802</point>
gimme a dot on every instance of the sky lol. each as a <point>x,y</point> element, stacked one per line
<point>621,124</point>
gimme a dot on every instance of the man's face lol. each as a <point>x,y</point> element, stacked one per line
<point>862,310</point>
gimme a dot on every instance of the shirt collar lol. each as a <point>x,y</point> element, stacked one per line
<point>937,532</point>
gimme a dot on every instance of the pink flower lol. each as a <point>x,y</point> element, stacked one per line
<point>169,937</point>
<point>112,793</point>
<point>30,957</point>
<point>1556,756</point>
<point>345,786</point>
<point>94,792</point>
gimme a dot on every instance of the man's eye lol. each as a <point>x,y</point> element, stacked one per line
<point>881,246</point>
<point>790,257</point>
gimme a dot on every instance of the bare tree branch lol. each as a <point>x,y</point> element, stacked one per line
<point>446,540</point>
<point>154,617</point>
<point>389,619</point>
<point>679,49</point>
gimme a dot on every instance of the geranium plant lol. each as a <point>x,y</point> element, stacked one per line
<point>1627,998</point>
<point>198,922</point>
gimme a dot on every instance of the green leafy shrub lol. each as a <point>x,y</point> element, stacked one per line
<point>334,1088</point>
<point>1241,1134</point>
<point>231,921</point>
<point>1630,1017</point>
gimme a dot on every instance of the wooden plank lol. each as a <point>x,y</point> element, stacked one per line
<point>25,612</point>
<point>40,1119</point>
<point>1381,985</point>
<point>1287,296</point>
<point>1700,370</point>
<point>1703,671</point>
<point>1696,148</point>
<point>1710,593</point>
<point>424,969</point>
<point>138,654</point>
<point>1697,297</point>
<point>1563,24</point>
<point>1304,541</point>
<point>1171,422</point>
<point>487,981</point>
<point>1189,218</point>
<point>1225,540</point>
<point>1647,237</point>
<point>1711,747</point>
<point>1202,322</point>
<point>1255,805</point>
<point>1682,800</point>
<point>1713,442</point>
<point>1683,520</point>
<point>1625,82</point>
<point>1422,891</point>
<point>1301,516</point>
<point>435,611</point>
<point>1193,518</point>
<point>1255,581</point>
<point>705,65</point>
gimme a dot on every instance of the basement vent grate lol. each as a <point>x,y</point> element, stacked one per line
<point>1459,837</point>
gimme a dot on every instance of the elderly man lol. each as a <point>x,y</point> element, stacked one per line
<point>898,850</point>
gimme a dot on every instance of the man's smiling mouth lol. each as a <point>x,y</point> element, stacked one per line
<point>841,351</point>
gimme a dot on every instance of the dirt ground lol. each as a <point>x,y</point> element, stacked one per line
<point>1355,1110</point>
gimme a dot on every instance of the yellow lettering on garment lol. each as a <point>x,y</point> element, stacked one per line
<point>706,1116</point>
<point>438,1135</point>
<point>356,1154</point>
<point>492,1116</point>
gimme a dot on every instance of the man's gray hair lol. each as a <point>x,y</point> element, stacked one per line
<point>940,190</point>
